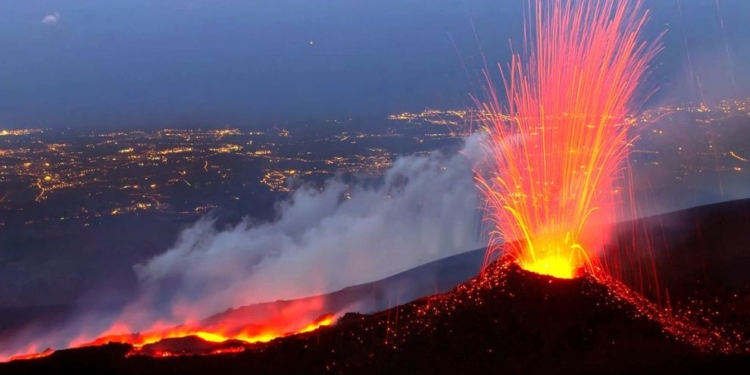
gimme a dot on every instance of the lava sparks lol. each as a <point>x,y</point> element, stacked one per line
<point>558,148</point>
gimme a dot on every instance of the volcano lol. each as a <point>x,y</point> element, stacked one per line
<point>505,320</point>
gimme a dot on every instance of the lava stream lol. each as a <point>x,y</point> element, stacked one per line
<point>248,334</point>
<point>257,326</point>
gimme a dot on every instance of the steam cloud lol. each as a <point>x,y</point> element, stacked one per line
<point>323,239</point>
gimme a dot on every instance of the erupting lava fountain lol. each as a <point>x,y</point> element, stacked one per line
<point>558,149</point>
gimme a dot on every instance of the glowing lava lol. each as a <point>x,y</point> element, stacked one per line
<point>236,327</point>
<point>558,149</point>
<point>556,266</point>
<point>249,334</point>
<point>43,354</point>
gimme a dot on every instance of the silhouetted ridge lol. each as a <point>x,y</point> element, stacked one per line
<point>505,319</point>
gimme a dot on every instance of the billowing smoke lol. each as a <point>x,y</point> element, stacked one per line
<point>324,239</point>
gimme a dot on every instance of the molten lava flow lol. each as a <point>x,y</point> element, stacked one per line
<point>325,320</point>
<point>217,334</point>
<point>556,266</point>
<point>558,149</point>
<point>43,354</point>
<point>227,332</point>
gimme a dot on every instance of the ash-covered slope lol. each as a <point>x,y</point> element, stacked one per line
<point>505,320</point>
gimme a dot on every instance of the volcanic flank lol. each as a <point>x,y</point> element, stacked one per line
<point>505,319</point>
<point>552,186</point>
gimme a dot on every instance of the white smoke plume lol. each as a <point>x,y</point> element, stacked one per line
<point>324,239</point>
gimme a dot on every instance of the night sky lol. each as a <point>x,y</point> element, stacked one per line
<point>194,62</point>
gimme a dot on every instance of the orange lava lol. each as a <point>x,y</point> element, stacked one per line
<point>555,266</point>
<point>248,334</point>
<point>43,354</point>
<point>558,149</point>
<point>246,325</point>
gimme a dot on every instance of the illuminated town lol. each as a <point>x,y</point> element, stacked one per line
<point>67,174</point>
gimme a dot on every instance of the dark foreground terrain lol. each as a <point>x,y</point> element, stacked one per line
<point>507,320</point>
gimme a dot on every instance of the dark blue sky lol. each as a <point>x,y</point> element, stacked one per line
<point>188,62</point>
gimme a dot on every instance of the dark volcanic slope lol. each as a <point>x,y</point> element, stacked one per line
<point>506,320</point>
<point>707,245</point>
<point>435,277</point>
<point>701,256</point>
